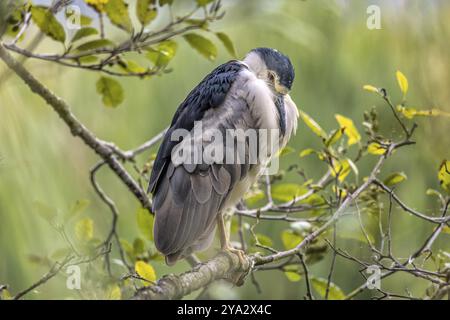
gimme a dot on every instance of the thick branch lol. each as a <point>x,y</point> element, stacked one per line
<point>223,266</point>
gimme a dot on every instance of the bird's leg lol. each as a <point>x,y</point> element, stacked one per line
<point>225,241</point>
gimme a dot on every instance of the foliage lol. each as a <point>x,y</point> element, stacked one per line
<point>351,205</point>
<point>91,48</point>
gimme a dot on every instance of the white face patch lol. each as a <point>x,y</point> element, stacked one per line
<point>256,65</point>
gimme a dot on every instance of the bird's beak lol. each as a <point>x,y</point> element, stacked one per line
<point>281,89</point>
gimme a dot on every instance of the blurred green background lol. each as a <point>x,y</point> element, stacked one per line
<point>334,55</point>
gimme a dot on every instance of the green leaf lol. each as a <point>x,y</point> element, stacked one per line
<point>320,285</point>
<point>287,191</point>
<point>47,23</point>
<point>78,207</point>
<point>87,59</point>
<point>290,239</point>
<point>285,151</point>
<point>83,33</point>
<point>395,178</point>
<point>163,54</point>
<point>138,246</point>
<point>111,91</point>
<point>127,247</point>
<point>117,11</point>
<point>263,240</point>
<point>292,276</point>
<point>95,44</point>
<point>203,3</point>
<point>164,2</point>
<point>350,130</point>
<point>228,44</point>
<point>146,11</point>
<point>145,271</point>
<point>84,229</point>
<point>313,125</point>
<point>145,223</point>
<point>444,175</point>
<point>46,212</point>
<point>202,45</point>
<point>253,197</point>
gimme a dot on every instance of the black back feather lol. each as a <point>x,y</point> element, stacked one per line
<point>209,93</point>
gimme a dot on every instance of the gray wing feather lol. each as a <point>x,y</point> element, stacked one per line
<point>201,187</point>
<point>189,197</point>
<point>189,208</point>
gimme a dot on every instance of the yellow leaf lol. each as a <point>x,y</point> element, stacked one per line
<point>446,229</point>
<point>145,271</point>
<point>313,125</point>
<point>395,178</point>
<point>376,149</point>
<point>292,276</point>
<point>98,5</point>
<point>285,151</point>
<point>341,169</point>
<point>402,82</point>
<point>290,239</point>
<point>350,130</point>
<point>306,152</point>
<point>5,295</point>
<point>370,88</point>
<point>334,137</point>
<point>339,191</point>
<point>84,229</point>
<point>444,175</point>
<point>114,293</point>
<point>410,113</point>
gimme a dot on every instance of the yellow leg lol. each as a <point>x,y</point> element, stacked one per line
<point>225,241</point>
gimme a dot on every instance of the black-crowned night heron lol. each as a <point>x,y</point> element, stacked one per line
<point>246,100</point>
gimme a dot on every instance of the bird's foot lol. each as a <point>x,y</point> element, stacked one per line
<point>243,260</point>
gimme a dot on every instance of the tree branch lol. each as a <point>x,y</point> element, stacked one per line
<point>76,127</point>
<point>224,266</point>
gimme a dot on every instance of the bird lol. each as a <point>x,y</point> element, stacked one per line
<point>190,198</point>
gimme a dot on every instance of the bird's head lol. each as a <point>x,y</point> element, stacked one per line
<point>273,67</point>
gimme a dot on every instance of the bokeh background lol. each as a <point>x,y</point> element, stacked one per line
<point>334,54</point>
